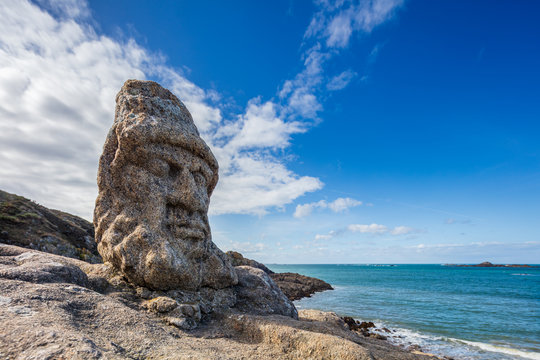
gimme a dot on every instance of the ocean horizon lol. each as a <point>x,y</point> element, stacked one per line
<point>459,312</point>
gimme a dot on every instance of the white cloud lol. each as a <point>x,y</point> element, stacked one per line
<point>338,205</point>
<point>248,247</point>
<point>339,29</point>
<point>381,229</point>
<point>342,204</point>
<point>402,230</point>
<point>336,23</point>
<point>374,229</point>
<point>328,236</point>
<point>368,229</point>
<point>452,221</point>
<point>251,185</point>
<point>299,94</point>
<point>303,210</point>
<point>340,81</point>
<point>66,8</point>
<point>330,30</point>
<point>261,127</point>
<point>58,81</point>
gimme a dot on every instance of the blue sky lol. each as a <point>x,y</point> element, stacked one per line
<point>352,132</point>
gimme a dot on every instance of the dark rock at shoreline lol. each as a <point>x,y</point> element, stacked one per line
<point>488,264</point>
<point>362,327</point>
<point>297,286</point>
<point>30,225</point>
<point>238,259</point>
<point>257,293</point>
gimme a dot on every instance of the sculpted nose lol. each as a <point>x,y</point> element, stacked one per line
<point>185,192</point>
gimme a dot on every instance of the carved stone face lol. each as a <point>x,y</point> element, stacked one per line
<point>155,180</point>
<point>179,180</point>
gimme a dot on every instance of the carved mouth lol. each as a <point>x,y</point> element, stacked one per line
<point>184,224</point>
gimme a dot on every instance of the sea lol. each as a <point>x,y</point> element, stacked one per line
<point>459,312</point>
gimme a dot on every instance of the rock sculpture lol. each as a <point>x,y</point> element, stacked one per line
<point>155,179</point>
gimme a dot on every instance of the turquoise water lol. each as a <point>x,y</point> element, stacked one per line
<point>467,313</point>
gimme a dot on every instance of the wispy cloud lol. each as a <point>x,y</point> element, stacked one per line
<point>340,81</point>
<point>452,221</point>
<point>373,229</point>
<point>338,205</point>
<point>368,229</point>
<point>402,230</point>
<point>329,31</point>
<point>336,22</point>
<point>328,236</point>
<point>248,247</point>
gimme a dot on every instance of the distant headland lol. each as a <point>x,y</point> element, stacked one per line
<point>487,264</point>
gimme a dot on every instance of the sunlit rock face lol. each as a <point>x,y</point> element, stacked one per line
<point>155,179</point>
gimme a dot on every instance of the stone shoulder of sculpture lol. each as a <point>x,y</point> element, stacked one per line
<point>155,179</point>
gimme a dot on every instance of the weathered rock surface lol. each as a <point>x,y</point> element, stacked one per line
<point>257,293</point>
<point>28,224</point>
<point>238,259</point>
<point>155,179</point>
<point>296,286</point>
<point>61,308</point>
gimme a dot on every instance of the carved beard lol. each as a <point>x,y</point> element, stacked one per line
<point>145,252</point>
<point>183,224</point>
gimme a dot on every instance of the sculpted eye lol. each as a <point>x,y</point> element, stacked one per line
<point>174,170</point>
<point>159,167</point>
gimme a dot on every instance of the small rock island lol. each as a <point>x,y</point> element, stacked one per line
<point>487,264</point>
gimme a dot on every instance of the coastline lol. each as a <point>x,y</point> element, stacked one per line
<point>387,340</point>
<point>414,319</point>
<point>61,301</point>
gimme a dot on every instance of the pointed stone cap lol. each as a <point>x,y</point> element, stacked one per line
<point>149,112</point>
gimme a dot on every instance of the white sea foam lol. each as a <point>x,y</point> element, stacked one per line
<point>524,274</point>
<point>501,349</point>
<point>462,349</point>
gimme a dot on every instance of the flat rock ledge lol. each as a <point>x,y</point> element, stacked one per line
<point>55,307</point>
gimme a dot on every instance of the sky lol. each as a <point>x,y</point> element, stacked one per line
<point>380,131</point>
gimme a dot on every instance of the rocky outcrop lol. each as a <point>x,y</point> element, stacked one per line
<point>238,259</point>
<point>155,179</point>
<point>55,307</point>
<point>296,286</point>
<point>28,224</point>
<point>490,265</point>
<point>257,293</point>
